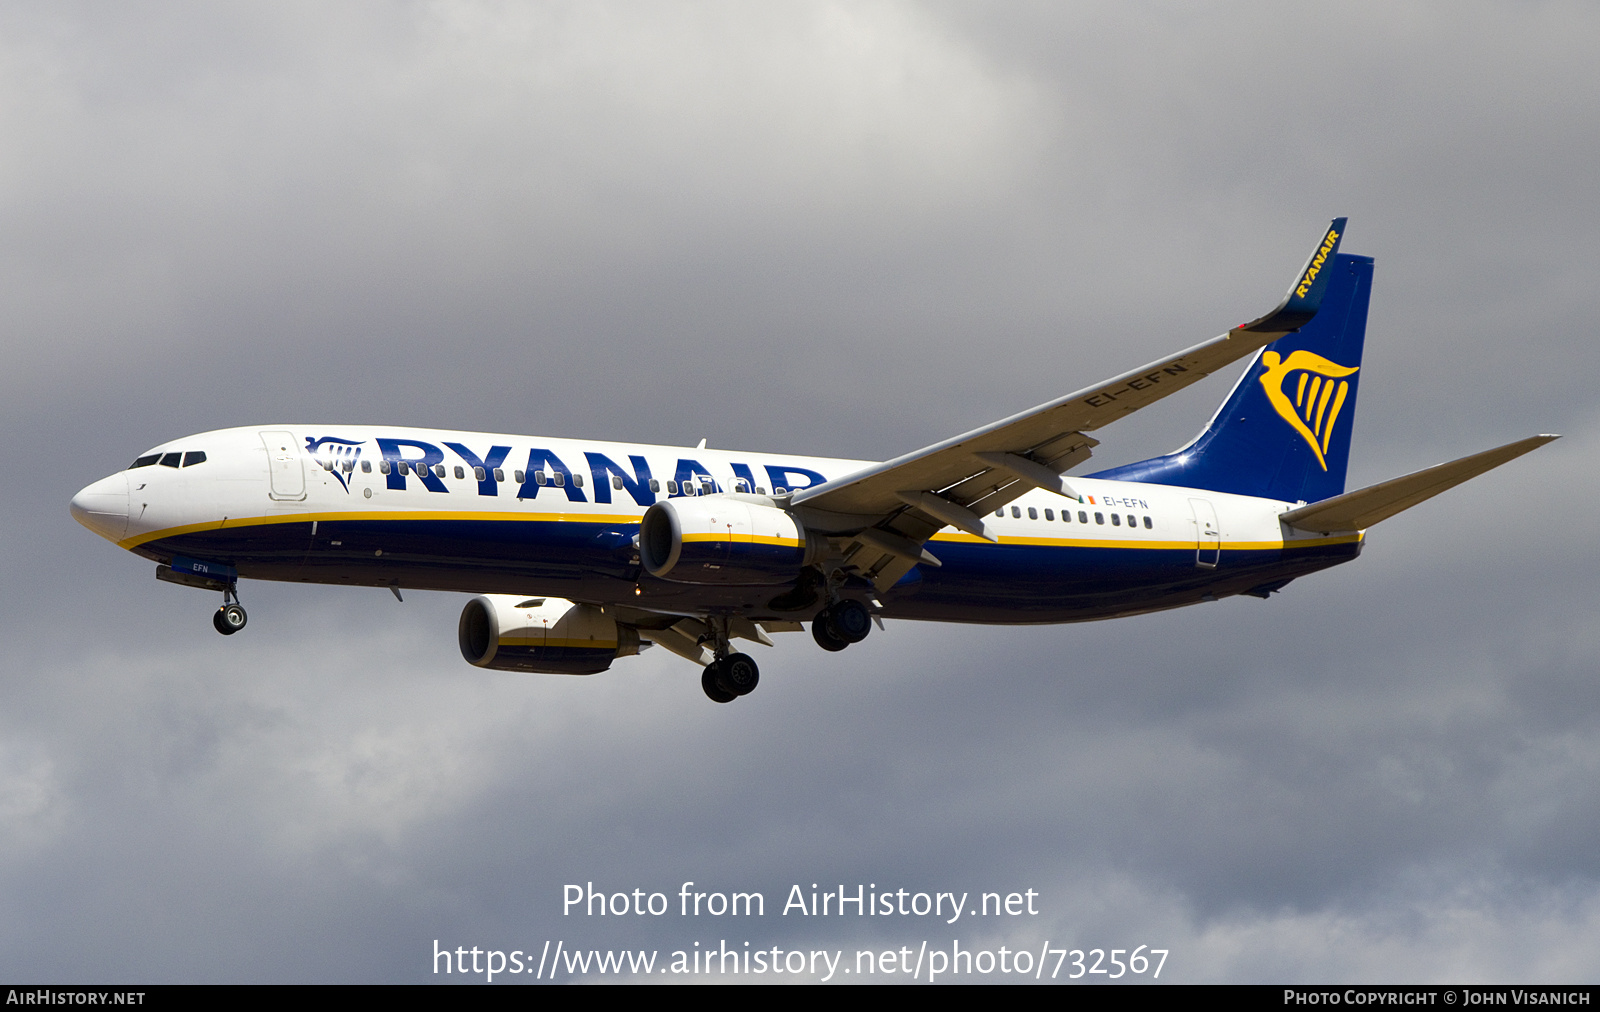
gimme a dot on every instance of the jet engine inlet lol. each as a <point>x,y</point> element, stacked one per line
<point>723,540</point>
<point>550,635</point>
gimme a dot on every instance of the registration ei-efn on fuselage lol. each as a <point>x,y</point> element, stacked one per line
<point>580,552</point>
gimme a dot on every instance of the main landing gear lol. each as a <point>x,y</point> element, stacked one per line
<point>841,624</point>
<point>730,677</point>
<point>229,618</point>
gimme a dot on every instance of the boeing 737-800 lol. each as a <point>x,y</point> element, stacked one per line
<point>580,552</point>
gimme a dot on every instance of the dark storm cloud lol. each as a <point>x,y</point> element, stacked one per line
<point>820,229</point>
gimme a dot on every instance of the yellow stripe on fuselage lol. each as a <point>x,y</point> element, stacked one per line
<point>1189,545</point>
<point>306,518</point>
<point>629,518</point>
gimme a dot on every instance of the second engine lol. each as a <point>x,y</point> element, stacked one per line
<point>545,634</point>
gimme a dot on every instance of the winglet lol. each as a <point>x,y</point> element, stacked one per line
<point>1305,295</point>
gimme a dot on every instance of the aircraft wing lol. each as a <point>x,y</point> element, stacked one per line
<point>893,507</point>
<point>1354,511</point>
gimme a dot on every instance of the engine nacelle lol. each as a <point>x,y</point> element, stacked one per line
<point>725,540</point>
<point>544,634</point>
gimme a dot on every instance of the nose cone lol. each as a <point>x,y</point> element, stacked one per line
<point>103,507</point>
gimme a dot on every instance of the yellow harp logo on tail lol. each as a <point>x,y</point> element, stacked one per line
<point>1319,394</point>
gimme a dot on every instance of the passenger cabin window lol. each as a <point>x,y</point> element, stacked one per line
<point>461,473</point>
<point>539,477</point>
<point>479,473</point>
<point>383,467</point>
<point>1049,514</point>
<point>616,482</point>
<point>655,485</point>
<point>438,471</point>
<point>780,490</point>
<point>672,487</point>
<point>500,474</point>
<point>1148,525</point>
<point>1000,512</point>
<point>171,460</point>
<point>760,490</point>
<point>1033,514</point>
<point>577,480</point>
<point>1133,521</point>
<point>366,467</point>
<point>349,466</point>
<point>1016,512</point>
<point>1083,517</point>
<point>145,461</point>
<point>1116,521</point>
<point>1099,518</point>
<point>518,476</point>
<point>194,457</point>
<point>559,480</point>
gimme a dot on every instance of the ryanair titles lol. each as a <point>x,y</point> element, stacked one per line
<point>1315,267</point>
<point>402,460</point>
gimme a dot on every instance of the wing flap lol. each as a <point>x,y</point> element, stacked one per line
<point>1354,511</point>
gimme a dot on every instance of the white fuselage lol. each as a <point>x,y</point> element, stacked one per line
<point>424,508</point>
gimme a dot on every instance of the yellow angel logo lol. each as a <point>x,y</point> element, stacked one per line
<point>1320,382</point>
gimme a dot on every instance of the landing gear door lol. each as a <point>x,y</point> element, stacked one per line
<point>285,467</point>
<point>1207,535</point>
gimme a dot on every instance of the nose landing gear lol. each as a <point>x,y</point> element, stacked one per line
<point>229,618</point>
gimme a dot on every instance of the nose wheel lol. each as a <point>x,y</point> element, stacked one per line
<point>229,618</point>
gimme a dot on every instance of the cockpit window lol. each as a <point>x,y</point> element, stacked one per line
<point>176,459</point>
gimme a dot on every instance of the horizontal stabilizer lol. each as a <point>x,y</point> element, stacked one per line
<point>1354,511</point>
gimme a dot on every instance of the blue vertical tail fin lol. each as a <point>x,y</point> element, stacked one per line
<point>1284,431</point>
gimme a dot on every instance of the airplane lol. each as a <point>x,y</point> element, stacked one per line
<point>579,552</point>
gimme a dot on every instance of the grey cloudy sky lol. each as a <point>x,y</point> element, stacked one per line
<point>831,229</point>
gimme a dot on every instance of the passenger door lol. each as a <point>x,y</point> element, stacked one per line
<point>285,467</point>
